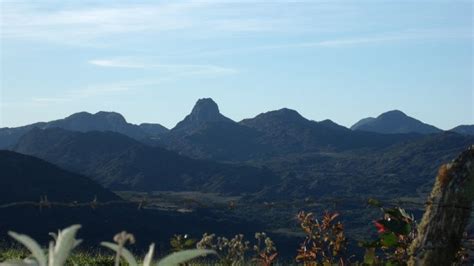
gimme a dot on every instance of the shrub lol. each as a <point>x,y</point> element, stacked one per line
<point>324,242</point>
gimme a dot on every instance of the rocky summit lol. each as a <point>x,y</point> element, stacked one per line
<point>204,111</point>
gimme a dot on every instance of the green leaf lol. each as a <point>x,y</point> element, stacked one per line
<point>176,258</point>
<point>389,240</point>
<point>124,253</point>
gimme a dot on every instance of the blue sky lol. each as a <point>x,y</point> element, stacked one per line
<point>151,60</point>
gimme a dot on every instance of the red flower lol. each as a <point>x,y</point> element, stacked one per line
<point>380,227</point>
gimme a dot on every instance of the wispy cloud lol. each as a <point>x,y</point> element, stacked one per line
<point>77,24</point>
<point>80,24</point>
<point>177,69</point>
<point>407,35</point>
<point>99,90</point>
<point>170,73</point>
<point>411,35</point>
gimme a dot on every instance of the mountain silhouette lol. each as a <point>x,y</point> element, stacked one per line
<point>394,122</point>
<point>204,111</point>
<point>26,178</point>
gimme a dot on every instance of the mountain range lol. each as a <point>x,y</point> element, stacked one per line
<point>273,151</point>
<point>253,137</point>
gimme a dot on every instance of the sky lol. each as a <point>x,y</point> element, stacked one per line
<point>152,60</point>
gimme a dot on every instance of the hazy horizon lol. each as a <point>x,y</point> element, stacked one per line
<point>151,61</point>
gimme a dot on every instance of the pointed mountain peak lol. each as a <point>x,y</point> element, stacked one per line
<point>204,111</point>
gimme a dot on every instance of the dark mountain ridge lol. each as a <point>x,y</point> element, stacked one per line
<point>207,134</point>
<point>121,163</point>
<point>84,122</point>
<point>26,178</point>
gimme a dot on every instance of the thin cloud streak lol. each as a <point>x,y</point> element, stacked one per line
<point>387,38</point>
<point>108,89</point>
<point>75,25</point>
<point>180,69</point>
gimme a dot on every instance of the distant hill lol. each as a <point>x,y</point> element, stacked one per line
<point>26,178</point>
<point>121,163</point>
<point>394,122</point>
<point>464,129</point>
<point>85,122</point>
